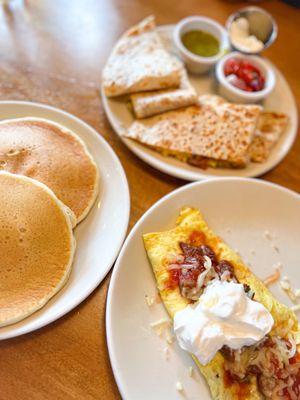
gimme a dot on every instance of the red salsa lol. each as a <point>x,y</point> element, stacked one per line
<point>244,75</point>
<point>184,272</point>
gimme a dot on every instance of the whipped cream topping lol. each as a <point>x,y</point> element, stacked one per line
<point>224,315</point>
<point>241,38</point>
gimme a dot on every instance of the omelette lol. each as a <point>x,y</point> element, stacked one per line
<point>36,246</point>
<point>269,369</point>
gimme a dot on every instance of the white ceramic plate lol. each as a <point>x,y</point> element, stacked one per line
<point>99,237</point>
<point>280,100</point>
<point>241,211</point>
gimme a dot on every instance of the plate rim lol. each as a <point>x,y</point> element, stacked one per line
<point>124,228</point>
<point>180,172</point>
<point>108,309</point>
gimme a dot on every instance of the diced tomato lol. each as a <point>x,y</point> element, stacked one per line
<point>247,76</point>
<point>173,279</point>
<point>197,238</point>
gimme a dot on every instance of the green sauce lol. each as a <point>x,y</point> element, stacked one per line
<point>201,43</point>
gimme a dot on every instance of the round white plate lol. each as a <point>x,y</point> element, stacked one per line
<point>250,215</point>
<point>280,100</point>
<point>99,236</point>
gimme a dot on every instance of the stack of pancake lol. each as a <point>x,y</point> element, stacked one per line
<point>48,184</point>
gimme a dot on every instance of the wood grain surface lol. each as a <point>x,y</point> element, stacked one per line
<point>53,51</point>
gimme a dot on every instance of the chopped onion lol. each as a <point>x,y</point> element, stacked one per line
<point>173,266</point>
<point>293,349</point>
<point>207,263</point>
<point>201,277</point>
<point>175,258</point>
<point>225,275</point>
<point>292,394</point>
<point>179,258</point>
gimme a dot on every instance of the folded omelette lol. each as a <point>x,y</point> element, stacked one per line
<point>269,369</point>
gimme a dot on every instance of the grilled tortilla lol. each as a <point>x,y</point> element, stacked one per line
<point>270,126</point>
<point>160,245</point>
<point>140,63</point>
<point>156,102</point>
<point>202,135</point>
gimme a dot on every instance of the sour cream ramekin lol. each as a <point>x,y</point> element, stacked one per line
<point>194,63</point>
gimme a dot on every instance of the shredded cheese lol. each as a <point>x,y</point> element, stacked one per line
<point>191,371</point>
<point>160,323</point>
<point>149,300</point>
<point>284,284</point>
<point>169,338</point>
<point>295,308</point>
<point>272,278</point>
<point>179,386</point>
<point>297,292</point>
<point>291,295</point>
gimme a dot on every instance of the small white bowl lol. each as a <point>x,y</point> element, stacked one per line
<point>236,95</point>
<point>194,63</point>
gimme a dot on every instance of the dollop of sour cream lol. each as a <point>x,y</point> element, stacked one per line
<point>241,38</point>
<point>224,315</point>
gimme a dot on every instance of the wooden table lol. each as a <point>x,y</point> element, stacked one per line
<point>53,52</point>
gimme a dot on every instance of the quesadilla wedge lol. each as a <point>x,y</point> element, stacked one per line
<point>179,257</point>
<point>156,102</point>
<point>140,63</point>
<point>270,126</point>
<point>202,135</point>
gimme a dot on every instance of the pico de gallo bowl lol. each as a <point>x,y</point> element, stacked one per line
<point>244,79</point>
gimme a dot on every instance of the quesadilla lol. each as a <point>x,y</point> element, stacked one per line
<point>270,126</point>
<point>268,131</point>
<point>156,102</point>
<point>202,135</point>
<point>36,246</point>
<point>140,63</point>
<point>191,259</point>
<point>54,155</point>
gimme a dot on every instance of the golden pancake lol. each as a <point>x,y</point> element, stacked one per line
<point>53,155</point>
<point>36,246</point>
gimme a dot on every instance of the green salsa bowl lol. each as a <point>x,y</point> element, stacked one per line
<point>200,42</point>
